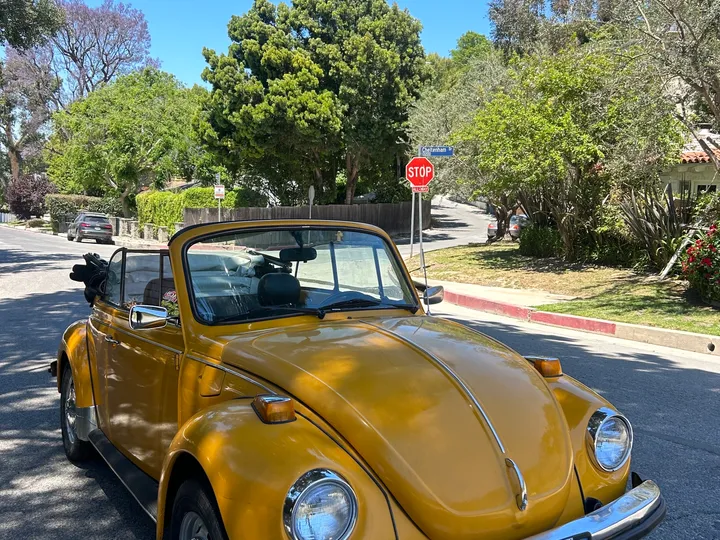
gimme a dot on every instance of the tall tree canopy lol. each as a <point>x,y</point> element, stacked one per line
<point>313,88</point>
<point>128,134</point>
<point>24,23</point>
<point>91,47</point>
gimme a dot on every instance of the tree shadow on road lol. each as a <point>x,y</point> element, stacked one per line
<point>43,495</point>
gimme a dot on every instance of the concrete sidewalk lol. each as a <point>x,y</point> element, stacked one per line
<point>519,304</point>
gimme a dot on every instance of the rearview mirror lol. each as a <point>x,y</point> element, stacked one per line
<point>145,317</point>
<point>302,254</point>
<point>434,295</point>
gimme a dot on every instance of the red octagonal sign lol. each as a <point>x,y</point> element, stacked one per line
<point>419,172</point>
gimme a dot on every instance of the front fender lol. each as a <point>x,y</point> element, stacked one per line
<point>73,350</point>
<point>252,465</point>
<point>579,403</point>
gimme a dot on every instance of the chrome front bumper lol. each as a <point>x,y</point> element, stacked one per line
<point>631,516</point>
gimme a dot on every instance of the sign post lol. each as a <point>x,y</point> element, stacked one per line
<point>419,172</point>
<point>412,225</point>
<point>311,197</point>
<point>219,195</point>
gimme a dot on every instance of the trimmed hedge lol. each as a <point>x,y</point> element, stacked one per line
<point>165,208</point>
<point>63,207</point>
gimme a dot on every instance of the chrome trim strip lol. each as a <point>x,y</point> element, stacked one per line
<point>621,515</point>
<point>231,371</point>
<point>146,340</point>
<point>454,376</point>
<point>85,422</point>
<point>521,496</point>
<point>306,482</point>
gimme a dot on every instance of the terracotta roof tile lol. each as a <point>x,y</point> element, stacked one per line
<point>697,157</point>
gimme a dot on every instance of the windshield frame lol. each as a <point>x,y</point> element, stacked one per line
<point>390,247</point>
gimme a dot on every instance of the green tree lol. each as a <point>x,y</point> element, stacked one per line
<point>132,133</point>
<point>24,23</point>
<point>571,128</point>
<point>311,88</point>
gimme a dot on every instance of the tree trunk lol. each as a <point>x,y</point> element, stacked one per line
<point>124,201</point>
<point>352,169</point>
<point>13,153</point>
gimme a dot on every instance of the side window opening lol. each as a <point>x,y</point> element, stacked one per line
<point>113,280</point>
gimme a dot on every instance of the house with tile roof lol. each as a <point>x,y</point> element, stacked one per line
<point>696,173</point>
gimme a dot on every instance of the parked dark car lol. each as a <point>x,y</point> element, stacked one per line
<point>92,226</point>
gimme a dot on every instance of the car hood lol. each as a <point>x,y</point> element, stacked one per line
<point>404,393</point>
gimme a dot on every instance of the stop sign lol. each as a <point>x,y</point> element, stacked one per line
<point>419,172</point>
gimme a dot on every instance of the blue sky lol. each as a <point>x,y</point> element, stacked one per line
<point>181,28</point>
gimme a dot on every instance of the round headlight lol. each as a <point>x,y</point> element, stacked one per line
<point>321,505</point>
<point>610,438</point>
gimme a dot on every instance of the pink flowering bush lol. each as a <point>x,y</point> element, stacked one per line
<point>701,265</point>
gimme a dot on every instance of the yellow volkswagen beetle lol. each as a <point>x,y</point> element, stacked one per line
<point>275,380</point>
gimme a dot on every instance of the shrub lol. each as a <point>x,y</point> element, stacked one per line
<point>65,207</point>
<point>33,223</point>
<point>165,208</point>
<point>26,195</point>
<point>701,265</point>
<point>707,208</point>
<point>536,241</point>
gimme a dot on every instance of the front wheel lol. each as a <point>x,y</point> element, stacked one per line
<point>195,515</point>
<point>75,448</point>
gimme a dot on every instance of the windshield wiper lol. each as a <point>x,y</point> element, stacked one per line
<point>240,317</point>
<point>366,302</point>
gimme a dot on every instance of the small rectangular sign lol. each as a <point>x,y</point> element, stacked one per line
<point>420,189</point>
<point>437,151</point>
<point>220,192</point>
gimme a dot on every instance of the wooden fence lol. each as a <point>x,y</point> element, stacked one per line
<point>392,218</point>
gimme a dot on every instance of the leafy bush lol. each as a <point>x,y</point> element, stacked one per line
<point>541,242</point>
<point>165,208</point>
<point>64,207</point>
<point>701,265</point>
<point>35,223</point>
<point>26,195</point>
<point>653,223</point>
<point>707,208</point>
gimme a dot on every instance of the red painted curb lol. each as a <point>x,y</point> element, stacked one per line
<point>571,321</point>
<point>501,308</point>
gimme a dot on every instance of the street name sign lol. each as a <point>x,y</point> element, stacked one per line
<point>419,172</point>
<point>437,151</point>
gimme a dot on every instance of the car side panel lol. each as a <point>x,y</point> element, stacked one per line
<point>252,465</point>
<point>579,403</point>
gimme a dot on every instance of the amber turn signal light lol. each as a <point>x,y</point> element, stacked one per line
<point>546,366</point>
<point>274,409</point>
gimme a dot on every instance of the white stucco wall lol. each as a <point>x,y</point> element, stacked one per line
<point>694,175</point>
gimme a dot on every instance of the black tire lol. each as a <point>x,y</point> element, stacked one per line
<point>195,497</point>
<point>98,241</point>
<point>75,449</point>
<point>70,238</point>
<point>78,238</point>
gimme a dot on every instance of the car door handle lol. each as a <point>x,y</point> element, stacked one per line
<point>111,340</point>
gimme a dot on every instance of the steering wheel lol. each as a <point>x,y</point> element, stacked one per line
<point>344,296</point>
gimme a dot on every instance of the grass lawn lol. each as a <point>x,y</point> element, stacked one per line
<point>602,292</point>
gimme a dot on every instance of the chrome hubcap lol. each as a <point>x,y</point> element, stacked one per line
<point>193,528</point>
<point>70,413</point>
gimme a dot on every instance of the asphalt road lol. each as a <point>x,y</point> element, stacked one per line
<point>672,398</point>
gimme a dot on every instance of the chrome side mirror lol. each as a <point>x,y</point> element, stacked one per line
<point>145,317</point>
<point>434,295</point>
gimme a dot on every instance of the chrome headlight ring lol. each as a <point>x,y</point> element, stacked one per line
<point>600,419</point>
<point>308,484</point>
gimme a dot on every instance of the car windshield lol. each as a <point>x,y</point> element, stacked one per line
<point>250,275</point>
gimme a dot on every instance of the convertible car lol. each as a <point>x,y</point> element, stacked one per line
<point>282,379</point>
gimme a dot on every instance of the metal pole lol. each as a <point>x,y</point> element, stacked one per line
<point>219,218</point>
<point>422,252</point>
<point>412,225</point>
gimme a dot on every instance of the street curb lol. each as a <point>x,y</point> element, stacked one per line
<point>677,339</point>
